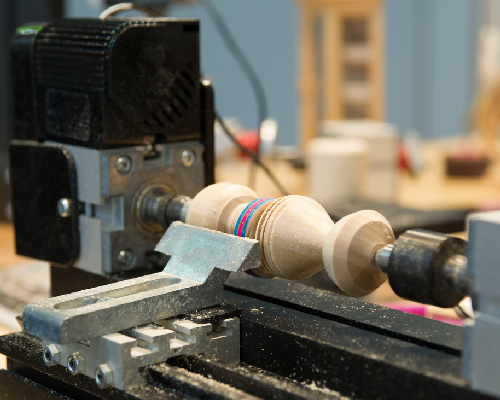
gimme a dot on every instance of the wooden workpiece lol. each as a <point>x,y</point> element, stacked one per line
<point>291,233</point>
<point>349,252</point>
<point>297,236</point>
<point>215,206</point>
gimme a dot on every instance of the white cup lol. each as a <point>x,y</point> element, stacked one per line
<point>382,141</point>
<point>336,169</point>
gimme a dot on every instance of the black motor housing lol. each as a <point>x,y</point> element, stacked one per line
<point>106,83</point>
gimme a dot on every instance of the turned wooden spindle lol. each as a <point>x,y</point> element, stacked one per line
<point>297,236</point>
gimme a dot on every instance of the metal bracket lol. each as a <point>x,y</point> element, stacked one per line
<point>193,279</point>
<point>115,359</point>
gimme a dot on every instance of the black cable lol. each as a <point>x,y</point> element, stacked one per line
<point>252,155</point>
<point>255,83</point>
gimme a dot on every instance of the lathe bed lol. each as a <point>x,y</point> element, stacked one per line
<point>296,342</point>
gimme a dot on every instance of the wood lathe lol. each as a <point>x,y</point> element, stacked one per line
<point>108,166</point>
<point>298,238</point>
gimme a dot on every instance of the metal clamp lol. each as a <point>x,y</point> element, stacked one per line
<point>193,279</point>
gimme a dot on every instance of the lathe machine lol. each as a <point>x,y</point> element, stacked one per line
<point>112,173</point>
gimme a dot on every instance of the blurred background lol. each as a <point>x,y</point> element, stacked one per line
<point>390,105</point>
<point>416,64</point>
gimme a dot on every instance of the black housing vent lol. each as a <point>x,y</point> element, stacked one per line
<point>173,107</point>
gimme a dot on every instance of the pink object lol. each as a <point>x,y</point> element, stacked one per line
<point>416,309</point>
<point>424,311</point>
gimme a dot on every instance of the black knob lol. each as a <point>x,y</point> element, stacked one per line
<point>429,268</point>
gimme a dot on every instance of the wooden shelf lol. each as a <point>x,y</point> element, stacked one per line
<point>350,32</point>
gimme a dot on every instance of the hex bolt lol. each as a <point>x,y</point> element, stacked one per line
<point>64,207</point>
<point>126,258</point>
<point>123,165</point>
<point>188,158</point>
<point>104,376</point>
<point>76,363</point>
<point>51,355</point>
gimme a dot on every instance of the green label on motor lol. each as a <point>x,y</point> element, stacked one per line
<point>29,30</point>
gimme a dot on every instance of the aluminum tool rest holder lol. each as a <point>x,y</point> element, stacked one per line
<point>110,332</point>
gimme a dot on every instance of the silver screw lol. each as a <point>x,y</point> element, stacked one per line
<point>188,158</point>
<point>104,376</point>
<point>51,355</point>
<point>76,363</point>
<point>64,207</point>
<point>123,165</point>
<point>126,257</point>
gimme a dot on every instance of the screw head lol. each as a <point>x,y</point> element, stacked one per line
<point>188,158</point>
<point>104,376</point>
<point>123,165</point>
<point>126,258</point>
<point>51,355</point>
<point>76,363</point>
<point>64,207</point>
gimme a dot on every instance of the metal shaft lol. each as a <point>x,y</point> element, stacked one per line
<point>165,209</point>
<point>382,257</point>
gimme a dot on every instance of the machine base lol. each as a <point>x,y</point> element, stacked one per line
<point>296,342</point>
